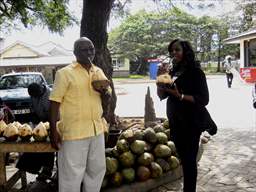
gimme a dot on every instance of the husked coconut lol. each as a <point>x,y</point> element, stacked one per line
<point>100,81</point>
<point>25,132</point>
<point>17,124</point>
<point>47,125</point>
<point>164,79</point>
<point>2,127</point>
<point>11,132</point>
<point>40,132</point>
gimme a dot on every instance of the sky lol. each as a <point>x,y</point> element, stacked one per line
<point>39,35</point>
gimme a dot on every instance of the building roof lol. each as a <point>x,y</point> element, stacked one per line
<point>251,34</point>
<point>30,47</point>
<point>46,49</point>
<point>51,48</point>
<point>41,61</point>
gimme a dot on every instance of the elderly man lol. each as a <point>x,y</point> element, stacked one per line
<point>79,135</point>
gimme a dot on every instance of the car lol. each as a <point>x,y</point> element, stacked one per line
<point>14,92</point>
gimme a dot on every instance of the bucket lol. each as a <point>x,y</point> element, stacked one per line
<point>112,137</point>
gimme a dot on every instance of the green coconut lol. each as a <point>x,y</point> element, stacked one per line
<point>122,146</point>
<point>138,147</point>
<point>161,138</point>
<point>163,164</point>
<point>173,162</point>
<point>111,165</point>
<point>162,151</point>
<point>116,179</point>
<point>150,135</point>
<point>143,173</point>
<point>156,170</point>
<point>128,175</point>
<point>127,159</point>
<point>145,159</point>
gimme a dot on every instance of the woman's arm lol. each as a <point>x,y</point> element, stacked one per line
<point>201,96</point>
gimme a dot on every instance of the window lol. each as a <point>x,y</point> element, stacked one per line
<point>250,53</point>
<point>117,63</point>
<point>19,81</point>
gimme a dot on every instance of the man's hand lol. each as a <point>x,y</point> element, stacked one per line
<point>55,139</point>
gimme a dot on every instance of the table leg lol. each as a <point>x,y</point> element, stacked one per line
<point>2,172</point>
<point>23,179</point>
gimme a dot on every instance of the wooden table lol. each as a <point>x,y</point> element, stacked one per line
<point>6,147</point>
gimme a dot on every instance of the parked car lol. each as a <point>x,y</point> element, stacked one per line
<point>14,92</point>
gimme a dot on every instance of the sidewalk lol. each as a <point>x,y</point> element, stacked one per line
<point>228,164</point>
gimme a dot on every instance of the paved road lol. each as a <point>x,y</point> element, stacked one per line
<point>229,107</point>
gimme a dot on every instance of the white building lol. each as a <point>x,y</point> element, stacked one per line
<point>247,41</point>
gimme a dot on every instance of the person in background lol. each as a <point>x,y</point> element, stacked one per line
<point>40,101</point>
<point>6,113</point>
<point>228,66</point>
<point>8,117</point>
<point>42,162</point>
<point>254,96</point>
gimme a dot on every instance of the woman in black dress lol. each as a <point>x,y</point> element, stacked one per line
<point>185,105</point>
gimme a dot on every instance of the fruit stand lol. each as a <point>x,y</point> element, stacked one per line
<point>6,147</point>
<point>16,137</point>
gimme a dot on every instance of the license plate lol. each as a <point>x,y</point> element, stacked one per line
<point>21,111</point>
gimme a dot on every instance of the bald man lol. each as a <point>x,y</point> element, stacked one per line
<point>79,136</point>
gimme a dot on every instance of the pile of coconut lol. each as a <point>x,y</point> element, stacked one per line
<point>13,131</point>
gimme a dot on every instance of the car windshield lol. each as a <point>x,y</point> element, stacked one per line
<point>19,81</point>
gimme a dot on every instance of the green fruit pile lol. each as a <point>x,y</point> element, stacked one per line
<point>140,154</point>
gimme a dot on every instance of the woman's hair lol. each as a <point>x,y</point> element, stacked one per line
<point>189,57</point>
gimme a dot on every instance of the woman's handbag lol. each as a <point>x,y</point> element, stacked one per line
<point>207,124</point>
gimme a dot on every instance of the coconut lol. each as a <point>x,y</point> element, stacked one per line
<point>11,132</point>
<point>111,165</point>
<point>127,159</point>
<point>162,151</point>
<point>156,170</point>
<point>116,179</point>
<point>122,146</point>
<point>17,124</point>
<point>145,159</point>
<point>161,138</point>
<point>138,147</point>
<point>164,80</point>
<point>150,135</point>
<point>100,81</point>
<point>25,132</point>
<point>2,127</point>
<point>173,162</point>
<point>40,132</point>
<point>128,175</point>
<point>47,125</point>
<point>143,173</point>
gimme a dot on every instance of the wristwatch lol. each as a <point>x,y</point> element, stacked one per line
<point>181,97</point>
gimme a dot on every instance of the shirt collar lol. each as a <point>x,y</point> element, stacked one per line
<point>76,65</point>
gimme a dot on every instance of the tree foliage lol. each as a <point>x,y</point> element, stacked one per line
<point>51,13</point>
<point>147,35</point>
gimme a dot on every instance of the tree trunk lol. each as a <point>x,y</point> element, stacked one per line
<point>94,22</point>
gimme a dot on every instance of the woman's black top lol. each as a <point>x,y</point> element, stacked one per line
<point>185,115</point>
